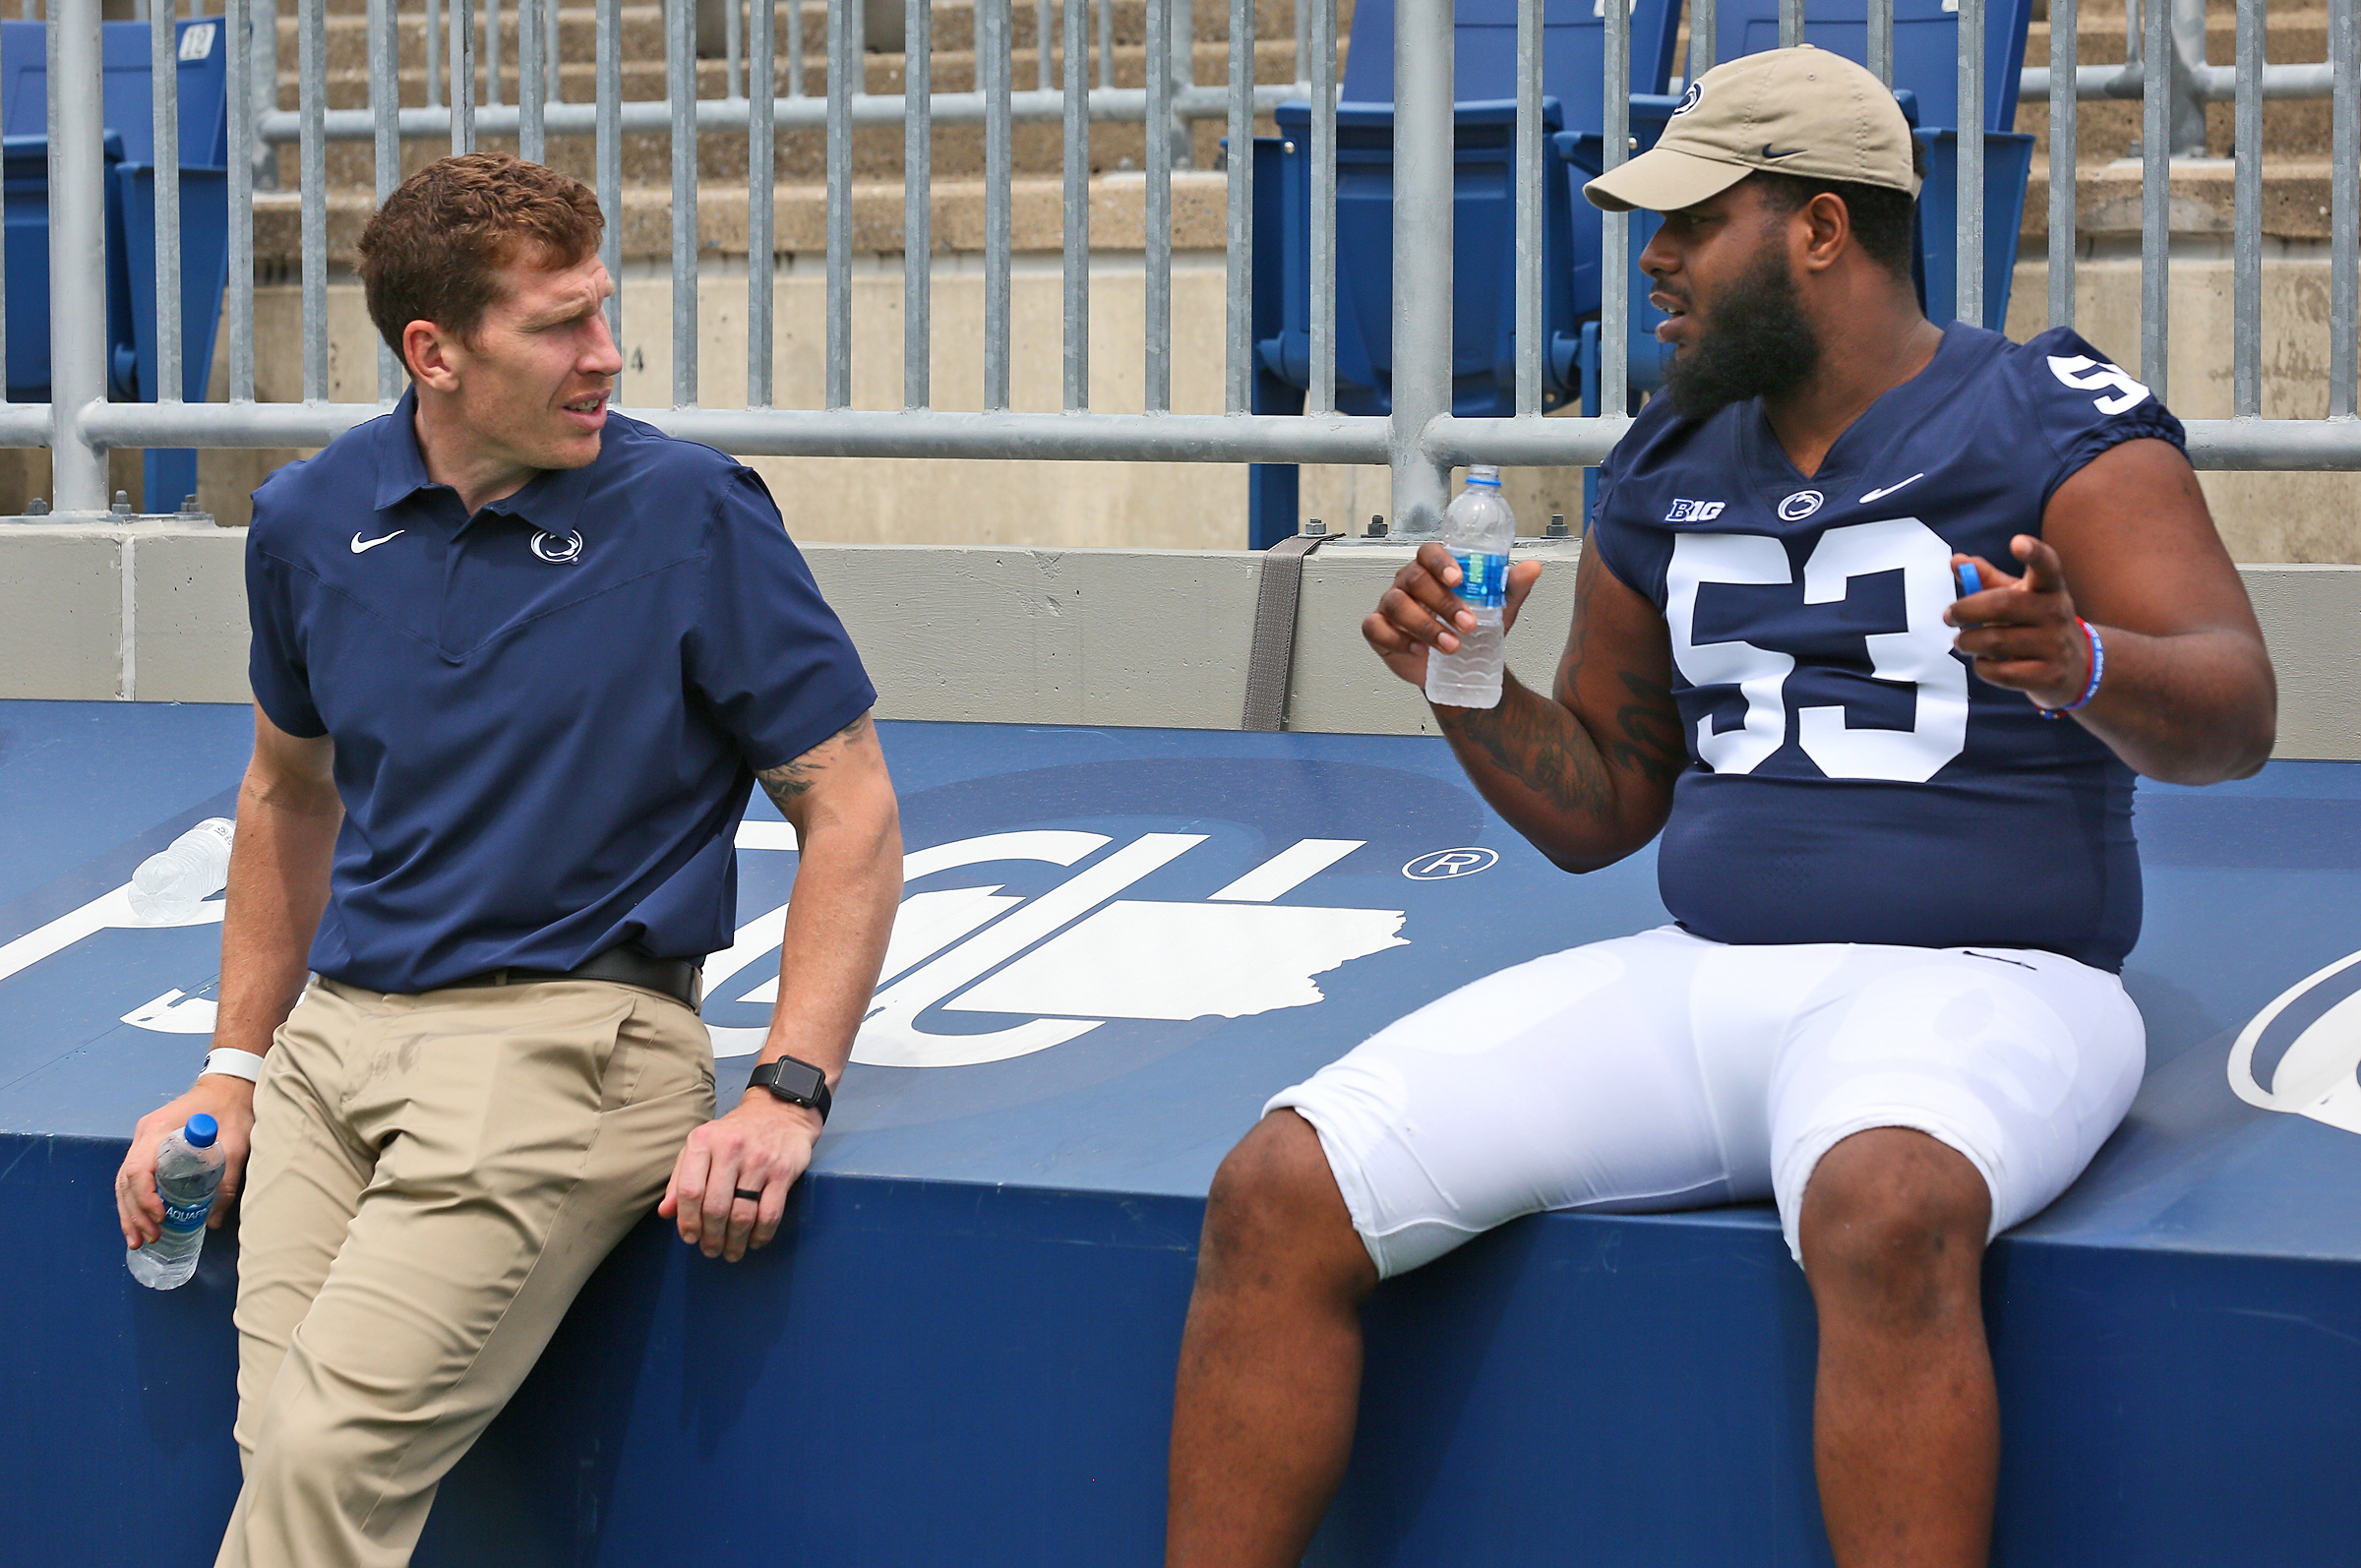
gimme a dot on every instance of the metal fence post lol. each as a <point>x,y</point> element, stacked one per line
<point>2188,63</point>
<point>1181,20</point>
<point>262,84</point>
<point>1422,180</point>
<point>77,257</point>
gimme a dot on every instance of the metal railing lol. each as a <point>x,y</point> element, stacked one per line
<point>1419,442</point>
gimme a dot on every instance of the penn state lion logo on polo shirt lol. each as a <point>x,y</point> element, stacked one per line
<point>552,548</point>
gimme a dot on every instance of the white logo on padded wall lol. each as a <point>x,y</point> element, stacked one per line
<point>550,547</point>
<point>1695,511</point>
<point>1075,956</point>
<point>1445,863</point>
<point>1799,505</point>
<point>1067,960</point>
<point>2319,1075</point>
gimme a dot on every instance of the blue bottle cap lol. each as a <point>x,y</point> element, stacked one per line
<point>200,1131</point>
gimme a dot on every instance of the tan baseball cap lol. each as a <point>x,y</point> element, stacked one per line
<point>1785,111</point>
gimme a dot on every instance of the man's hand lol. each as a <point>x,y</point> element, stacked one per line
<point>230,1101</point>
<point>1423,611</point>
<point>2021,632</point>
<point>762,1146</point>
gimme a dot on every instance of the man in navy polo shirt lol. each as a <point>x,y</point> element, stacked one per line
<point>516,661</point>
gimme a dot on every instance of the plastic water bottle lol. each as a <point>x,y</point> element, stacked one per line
<point>188,1172</point>
<point>169,885</point>
<point>1476,530</point>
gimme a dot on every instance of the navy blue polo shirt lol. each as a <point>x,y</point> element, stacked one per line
<point>547,716</point>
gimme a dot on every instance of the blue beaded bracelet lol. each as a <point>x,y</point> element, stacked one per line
<point>2098,669</point>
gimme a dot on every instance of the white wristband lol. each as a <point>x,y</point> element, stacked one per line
<point>235,1063</point>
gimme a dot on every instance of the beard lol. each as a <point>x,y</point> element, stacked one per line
<point>1759,344</point>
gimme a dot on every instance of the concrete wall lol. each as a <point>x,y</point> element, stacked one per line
<point>156,612</point>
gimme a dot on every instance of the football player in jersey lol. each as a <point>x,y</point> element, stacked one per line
<point>1895,839</point>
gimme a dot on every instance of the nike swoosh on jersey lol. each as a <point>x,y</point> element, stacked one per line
<point>361,546</point>
<point>1878,495</point>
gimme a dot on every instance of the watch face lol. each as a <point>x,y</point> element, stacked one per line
<point>796,1080</point>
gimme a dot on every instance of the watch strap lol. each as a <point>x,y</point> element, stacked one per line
<point>233,1063</point>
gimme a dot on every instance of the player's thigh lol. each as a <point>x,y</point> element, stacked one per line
<point>2022,1061</point>
<point>304,1175</point>
<point>1571,1081</point>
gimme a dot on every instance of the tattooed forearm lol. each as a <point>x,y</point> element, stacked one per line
<point>1651,743</point>
<point>787,782</point>
<point>1537,744</point>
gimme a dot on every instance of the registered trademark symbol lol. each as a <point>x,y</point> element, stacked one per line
<point>1444,864</point>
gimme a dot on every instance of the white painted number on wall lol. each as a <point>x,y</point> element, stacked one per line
<point>198,42</point>
<point>1919,654</point>
<point>2085,373</point>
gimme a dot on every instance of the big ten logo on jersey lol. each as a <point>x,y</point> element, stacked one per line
<point>1916,654</point>
<point>1695,511</point>
<point>2085,373</point>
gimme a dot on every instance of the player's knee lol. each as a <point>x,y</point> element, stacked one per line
<point>1894,1217</point>
<point>1274,1210</point>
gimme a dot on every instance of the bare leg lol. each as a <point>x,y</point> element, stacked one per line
<point>1906,1425</point>
<point>1270,1361</point>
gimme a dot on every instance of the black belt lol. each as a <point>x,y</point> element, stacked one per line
<point>627,965</point>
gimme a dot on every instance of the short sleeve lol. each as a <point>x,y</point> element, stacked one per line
<point>2083,404</point>
<point>1623,540</point>
<point>274,661</point>
<point>768,657</point>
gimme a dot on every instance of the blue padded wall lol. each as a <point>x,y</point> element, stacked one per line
<point>961,1350</point>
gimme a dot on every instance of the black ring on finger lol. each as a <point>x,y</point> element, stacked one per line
<point>751,1197</point>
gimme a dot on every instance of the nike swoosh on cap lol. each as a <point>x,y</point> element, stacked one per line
<point>361,546</point>
<point>1789,153</point>
<point>1889,489</point>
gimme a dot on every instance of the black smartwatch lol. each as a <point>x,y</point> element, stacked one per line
<point>799,1083</point>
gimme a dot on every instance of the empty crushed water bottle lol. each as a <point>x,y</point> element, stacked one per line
<point>169,884</point>
<point>188,1172</point>
<point>1478,531</point>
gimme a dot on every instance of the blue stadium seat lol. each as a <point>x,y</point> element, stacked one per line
<point>204,91</point>
<point>1483,256</point>
<point>1927,48</point>
<point>27,179</point>
<point>1483,312</point>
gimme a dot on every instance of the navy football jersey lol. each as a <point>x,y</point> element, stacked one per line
<point>1849,777</point>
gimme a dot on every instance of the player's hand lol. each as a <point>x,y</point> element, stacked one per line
<point>230,1101</point>
<point>2021,632</point>
<point>1423,609</point>
<point>762,1146</point>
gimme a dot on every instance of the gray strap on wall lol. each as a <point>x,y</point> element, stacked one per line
<point>1272,654</point>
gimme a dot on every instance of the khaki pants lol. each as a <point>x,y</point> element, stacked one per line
<point>433,1179</point>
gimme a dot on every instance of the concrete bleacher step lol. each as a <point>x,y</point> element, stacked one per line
<point>878,151</point>
<point>2294,147</point>
<point>2107,129</point>
<point>799,216</point>
<point>346,34</point>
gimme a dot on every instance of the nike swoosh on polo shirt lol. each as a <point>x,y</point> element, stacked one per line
<point>361,546</point>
